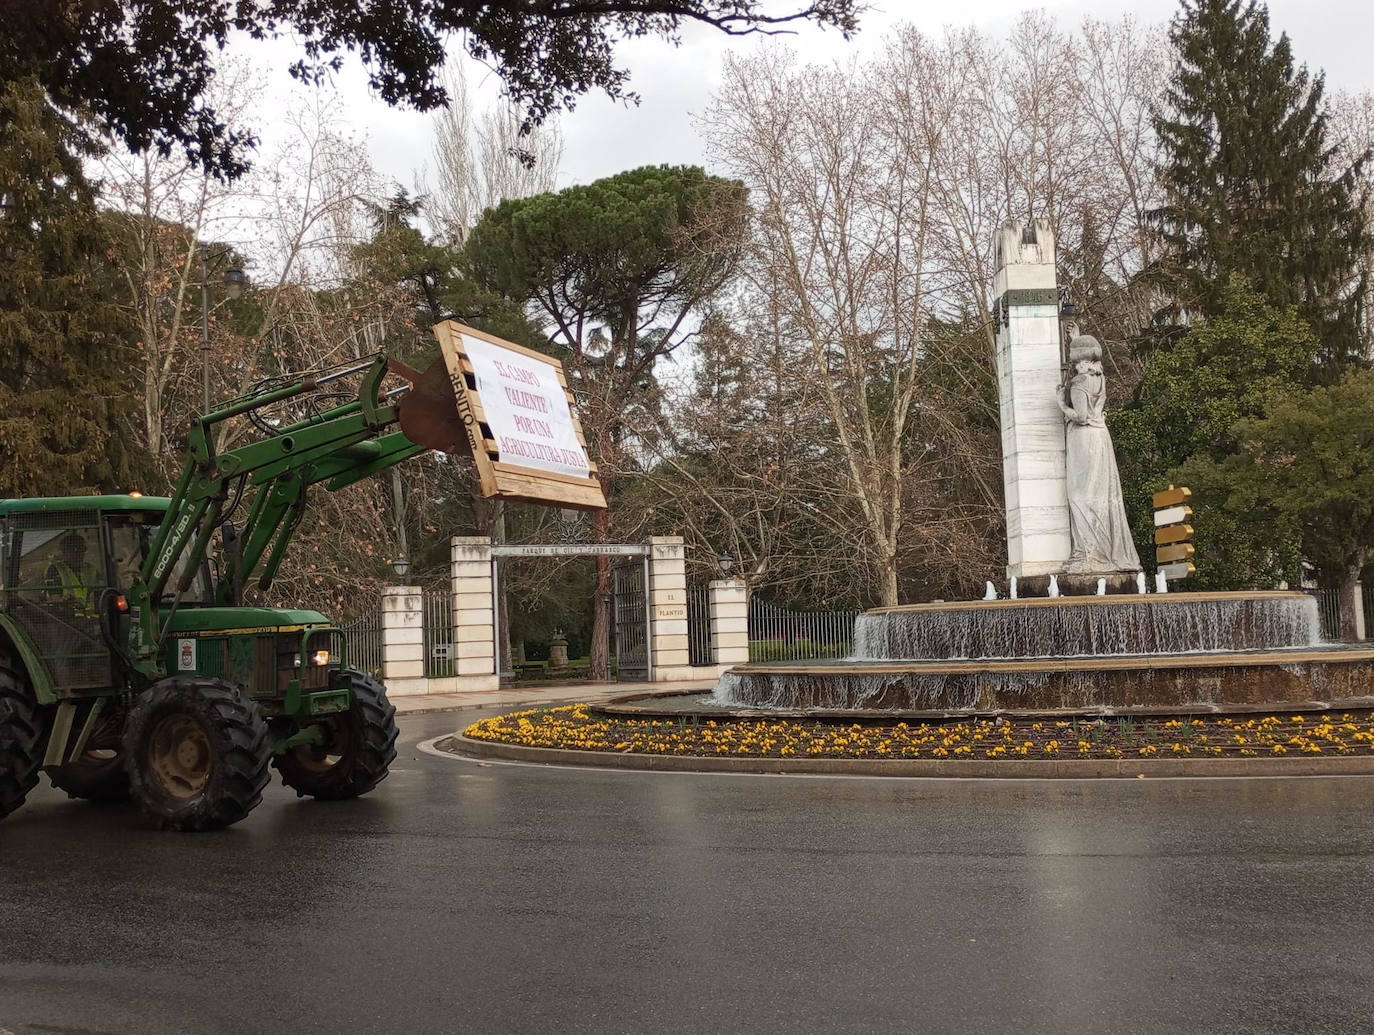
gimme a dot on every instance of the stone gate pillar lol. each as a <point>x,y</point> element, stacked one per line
<point>729,622</point>
<point>1029,367</point>
<point>670,656</point>
<point>403,641</point>
<point>474,613</point>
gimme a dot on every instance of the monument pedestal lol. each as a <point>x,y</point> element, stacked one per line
<point>1077,585</point>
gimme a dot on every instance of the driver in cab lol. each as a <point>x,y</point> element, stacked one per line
<point>69,580</point>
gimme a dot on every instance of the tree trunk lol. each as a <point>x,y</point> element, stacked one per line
<point>398,512</point>
<point>599,663</point>
<point>1349,595</point>
<point>503,648</point>
<point>887,590</point>
<point>599,667</point>
<point>489,519</point>
<point>152,417</point>
<point>885,570</point>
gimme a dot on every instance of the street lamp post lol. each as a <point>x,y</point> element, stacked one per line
<point>1068,317</point>
<point>234,283</point>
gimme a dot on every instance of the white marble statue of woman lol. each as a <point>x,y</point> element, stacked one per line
<point>1097,516</point>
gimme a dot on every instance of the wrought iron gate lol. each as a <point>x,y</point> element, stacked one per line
<point>630,607</point>
<point>699,650</point>
<point>440,656</point>
<point>365,643</point>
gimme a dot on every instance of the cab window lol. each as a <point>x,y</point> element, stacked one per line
<point>131,537</point>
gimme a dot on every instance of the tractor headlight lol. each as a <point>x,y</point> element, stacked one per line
<point>320,657</point>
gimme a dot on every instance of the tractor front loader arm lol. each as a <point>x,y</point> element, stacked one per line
<point>337,446</point>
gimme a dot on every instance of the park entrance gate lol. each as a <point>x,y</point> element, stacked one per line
<point>629,603</point>
<point>630,606</point>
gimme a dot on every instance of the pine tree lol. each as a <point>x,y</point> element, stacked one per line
<point>1252,185</point>
<point>59,326</point>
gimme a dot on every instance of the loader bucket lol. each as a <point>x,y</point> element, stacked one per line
<point>429,411</point>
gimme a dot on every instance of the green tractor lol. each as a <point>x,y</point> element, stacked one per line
<point>129,665</point>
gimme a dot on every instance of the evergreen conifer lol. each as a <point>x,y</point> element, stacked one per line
<point>59,326</point>
<point>1252,183</point>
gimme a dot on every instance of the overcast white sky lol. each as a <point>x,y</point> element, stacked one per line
<point>602,138</point>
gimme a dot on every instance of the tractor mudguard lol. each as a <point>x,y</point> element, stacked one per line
<point>39,676</point>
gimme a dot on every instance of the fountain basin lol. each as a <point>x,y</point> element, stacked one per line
<point>1330,673</point>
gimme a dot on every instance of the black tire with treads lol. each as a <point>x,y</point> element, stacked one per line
<point>22,724</point>
<point>362,741</point>
<point>223,745</point>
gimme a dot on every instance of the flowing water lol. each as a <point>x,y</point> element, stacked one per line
<point>1033,631</point>
<point>1103,627</point>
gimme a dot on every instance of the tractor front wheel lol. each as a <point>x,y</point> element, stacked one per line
<point>197,752</point>
<point>22,723</point>
<point>355,752</point>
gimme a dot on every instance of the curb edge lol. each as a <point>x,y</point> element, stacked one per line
<point>998,769</point>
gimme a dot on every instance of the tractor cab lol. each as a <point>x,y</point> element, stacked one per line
<point>66,566</point>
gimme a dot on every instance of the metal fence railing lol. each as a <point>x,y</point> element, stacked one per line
<point>364,635</point>
<point>437,607</point>
<point>699,650</point>
<point>777,634</point>
<point>1329,611</point>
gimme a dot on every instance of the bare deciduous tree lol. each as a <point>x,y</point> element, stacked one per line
<point>843,243</point>
<point>166,212</point>
<point>475,162</point>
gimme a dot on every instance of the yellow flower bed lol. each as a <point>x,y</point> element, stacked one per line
<point>577,728</point>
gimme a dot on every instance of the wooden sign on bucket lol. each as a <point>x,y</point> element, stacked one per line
<point>517,411</point>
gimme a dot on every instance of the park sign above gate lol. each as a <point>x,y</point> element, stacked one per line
<point>573,550</point>
<point>516,409</point>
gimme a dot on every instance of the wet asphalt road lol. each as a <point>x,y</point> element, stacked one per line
<point>499,898</point>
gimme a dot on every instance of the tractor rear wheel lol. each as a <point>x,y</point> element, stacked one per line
<point>22,722</point>
<point>99,775</point>
<point>197,752</point>
<point>356,752</point>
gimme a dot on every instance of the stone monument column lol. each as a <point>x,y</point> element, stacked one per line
<point>1029,369</point>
